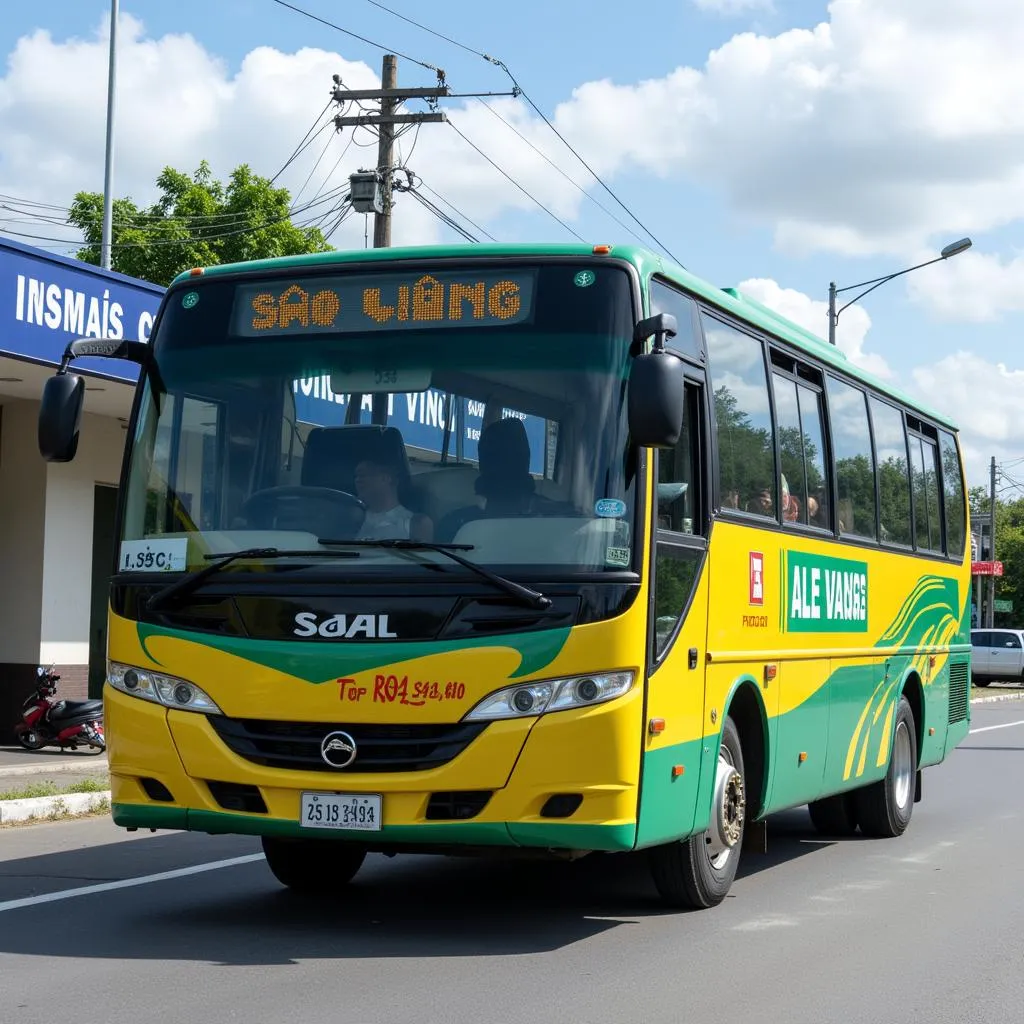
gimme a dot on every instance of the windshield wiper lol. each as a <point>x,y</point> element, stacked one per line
<point>188,583</point>
<point>526,595</point>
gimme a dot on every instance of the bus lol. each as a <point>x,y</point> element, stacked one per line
<point>519,550</point>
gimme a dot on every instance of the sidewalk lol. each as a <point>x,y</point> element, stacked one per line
<point>26,773</point>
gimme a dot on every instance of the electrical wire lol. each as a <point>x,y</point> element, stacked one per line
<point>355,35</point>
<point>442,216</point>
<point>509,177</point>
<point>572,181</point>
<point>521,91</point>
<point>452,206</point>
<point>298,149</point>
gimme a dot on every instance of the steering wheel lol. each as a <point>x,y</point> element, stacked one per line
<point>322,511</point>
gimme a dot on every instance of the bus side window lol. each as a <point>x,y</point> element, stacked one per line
<point>746,439</point>
<point>855,462</point>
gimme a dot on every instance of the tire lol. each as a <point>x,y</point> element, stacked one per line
<point>980,682</point>
<point>884,807</point>
<point>697,873</point>
<point>835,815</point>
<point>31,740</point>
<point>313,866</point>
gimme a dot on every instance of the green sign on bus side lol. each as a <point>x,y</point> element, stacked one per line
<point>1001,605</point>
<point>825,595</point>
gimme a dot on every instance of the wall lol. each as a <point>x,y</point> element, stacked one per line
<point>22,508</point>
<point>67,552</point>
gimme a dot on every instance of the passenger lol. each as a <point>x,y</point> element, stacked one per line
<point>762,504</point>
<point>503,481</point>
<point>790,505</point>
<point>386,517</point>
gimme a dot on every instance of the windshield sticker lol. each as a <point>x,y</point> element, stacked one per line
<point>617,557</point>
<point>162,554</point>
<point>190,300</point>
<point>610,508</point>
<point>584,279</point>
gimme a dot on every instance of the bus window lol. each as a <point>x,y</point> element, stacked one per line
<point>801,452</point>
<point>855,463</point>
<point>953,491</point>
<point>746,440</point>
<point>925,461</point>
<point>893,473</point>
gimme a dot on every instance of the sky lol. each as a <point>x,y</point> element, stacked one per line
<point>771,145</point>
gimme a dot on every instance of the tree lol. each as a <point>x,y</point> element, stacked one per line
<point>197,221</point>
<point>1009,550</point>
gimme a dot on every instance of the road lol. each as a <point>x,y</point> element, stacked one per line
<point>925,928</point>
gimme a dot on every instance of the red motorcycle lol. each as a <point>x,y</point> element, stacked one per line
<point>63,723</point>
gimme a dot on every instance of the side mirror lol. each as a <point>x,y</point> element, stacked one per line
<point>60,415</point>
<point>655,401</point>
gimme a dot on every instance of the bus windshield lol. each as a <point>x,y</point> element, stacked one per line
<point>473,404</point>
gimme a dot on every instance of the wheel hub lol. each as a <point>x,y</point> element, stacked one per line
<point>728,811</point>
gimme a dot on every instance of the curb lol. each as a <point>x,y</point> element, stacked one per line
<point>99,765</point>
<point>1000,697</point>
<point>43,806</point>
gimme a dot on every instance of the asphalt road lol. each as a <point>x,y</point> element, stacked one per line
<point>923,928</point>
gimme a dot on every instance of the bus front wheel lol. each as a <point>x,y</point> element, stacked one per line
<point>884,807</point>
<point>698,872</point>
<point>315,866</point>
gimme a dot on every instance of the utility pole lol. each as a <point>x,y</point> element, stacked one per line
<point>390,97</point>
<point>990,617</point>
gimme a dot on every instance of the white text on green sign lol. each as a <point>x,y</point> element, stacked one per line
<point>825,595</point>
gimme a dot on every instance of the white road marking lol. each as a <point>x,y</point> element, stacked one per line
<point>128,883</point>
<point>989,728</point>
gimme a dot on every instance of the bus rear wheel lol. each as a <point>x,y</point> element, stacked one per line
<point>884,807</point>
<point>314,866</point>
<point>698,872</point>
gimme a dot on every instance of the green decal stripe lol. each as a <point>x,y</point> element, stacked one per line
<point>316,662</point>
<point>668,802</point>
<point>463,833</point>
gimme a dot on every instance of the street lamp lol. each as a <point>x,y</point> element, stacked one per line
<point>953,249</point>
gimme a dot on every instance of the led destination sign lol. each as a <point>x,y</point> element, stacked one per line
<point>372,302</point>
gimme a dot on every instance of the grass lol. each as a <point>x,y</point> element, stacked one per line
<point>35,789</point>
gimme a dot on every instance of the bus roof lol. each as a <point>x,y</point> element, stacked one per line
<point>730,300</point>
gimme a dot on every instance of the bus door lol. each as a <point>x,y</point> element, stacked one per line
<point>678,607</point>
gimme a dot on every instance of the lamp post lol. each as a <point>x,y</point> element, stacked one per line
<point>953,249</point>
<point>108,171</point>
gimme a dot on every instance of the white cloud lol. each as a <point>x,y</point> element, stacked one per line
<point>730,7</point>
<point>891,126</point>
<point>812,315</point>
<point>974,286</point>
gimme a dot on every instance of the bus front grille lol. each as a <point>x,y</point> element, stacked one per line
<point>378,748</point>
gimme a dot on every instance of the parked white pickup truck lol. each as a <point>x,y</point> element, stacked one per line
<point>997,655</point>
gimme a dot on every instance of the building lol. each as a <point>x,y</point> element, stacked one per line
<point>57,521</point>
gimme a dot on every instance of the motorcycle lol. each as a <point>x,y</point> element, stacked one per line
<point>63,723</point>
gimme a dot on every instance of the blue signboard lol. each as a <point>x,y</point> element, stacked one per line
<point>47,301</point>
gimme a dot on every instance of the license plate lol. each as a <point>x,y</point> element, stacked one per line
<point>358,811</point>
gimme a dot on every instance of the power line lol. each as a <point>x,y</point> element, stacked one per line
<point>355,35</point>
<point>442,216</point>
<point>508,176</point>
<point>521,91</point>
<point>571,181</point>
<point>298,149</point>
<point>452,206</point>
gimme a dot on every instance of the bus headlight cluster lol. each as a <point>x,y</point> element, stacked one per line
<point>529,699</point>
<point>170,691</point>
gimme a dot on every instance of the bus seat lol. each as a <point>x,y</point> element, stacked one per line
<point>442,489</point>
<point>332,454</point>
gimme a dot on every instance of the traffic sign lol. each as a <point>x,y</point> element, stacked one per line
<point>986,568</point>
<point>1002,606</point>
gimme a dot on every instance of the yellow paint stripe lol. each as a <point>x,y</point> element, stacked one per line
<point>883,749</point>
<point>822,653</point>
<point>852,749</point>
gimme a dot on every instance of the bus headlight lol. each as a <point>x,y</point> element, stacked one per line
<point>170,691</point>
<point>528,699</point>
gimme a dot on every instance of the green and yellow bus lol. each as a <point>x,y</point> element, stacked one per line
<point>492,549</point>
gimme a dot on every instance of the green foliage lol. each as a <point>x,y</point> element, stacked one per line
<point>196,222</point>
<point>1009,551</point>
